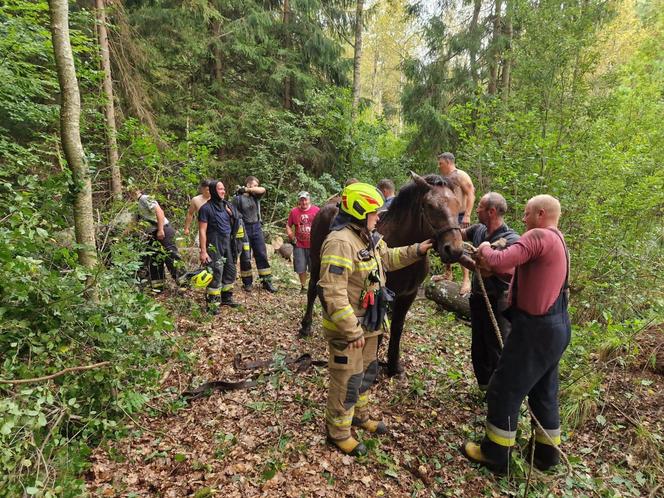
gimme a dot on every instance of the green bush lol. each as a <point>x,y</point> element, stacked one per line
<point>47,325</point>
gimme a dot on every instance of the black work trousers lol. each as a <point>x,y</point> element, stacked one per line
<point>485,348</point>
<point>160,253</point>
<point>223,264</point>
<point>254,233</point>
<point>528,366</point>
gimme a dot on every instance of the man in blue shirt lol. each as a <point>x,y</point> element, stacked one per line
<point>218,223</point>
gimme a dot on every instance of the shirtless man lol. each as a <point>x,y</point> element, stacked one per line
<point>465,192</point>
<point>196,203</point>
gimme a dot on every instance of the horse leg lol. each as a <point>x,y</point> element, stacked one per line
<point>402,304</point>
<point>305,325</point>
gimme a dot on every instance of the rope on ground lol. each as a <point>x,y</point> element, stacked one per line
<point>472,249</point>
<point>57,374</point>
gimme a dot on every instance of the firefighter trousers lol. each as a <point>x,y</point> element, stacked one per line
<point>352,373</point>
<point>485,349</point>
<point>223,265</point>
<point>528,366</point>
<point>160,253</point>
<point>254,233</point>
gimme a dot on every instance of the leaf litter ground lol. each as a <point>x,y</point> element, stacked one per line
<point>269,440</point>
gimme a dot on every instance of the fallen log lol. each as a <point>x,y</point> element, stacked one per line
<point>445,293</point>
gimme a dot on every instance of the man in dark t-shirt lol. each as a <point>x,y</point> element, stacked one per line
<point>485,349</point>
<point>218,223</point>
<point>248,202</point>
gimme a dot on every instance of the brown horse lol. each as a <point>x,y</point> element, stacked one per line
<point>425,208</point>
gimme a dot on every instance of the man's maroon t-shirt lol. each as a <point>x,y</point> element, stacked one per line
<point>302,221</point>
<point>542,261</point>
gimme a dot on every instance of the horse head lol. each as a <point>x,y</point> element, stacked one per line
<point>439,211</point>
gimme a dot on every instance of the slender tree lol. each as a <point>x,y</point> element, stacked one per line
<point>507,53</point>
<point>70,134</point>
<point>357,57</point>
<point>109,108</point>
<point>494,51</point>
<point>288,80</point>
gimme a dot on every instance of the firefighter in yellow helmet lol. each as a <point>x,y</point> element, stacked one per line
<point>352,290</point>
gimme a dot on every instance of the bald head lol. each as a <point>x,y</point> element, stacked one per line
<point>496,201</point>
<point>542,211</point>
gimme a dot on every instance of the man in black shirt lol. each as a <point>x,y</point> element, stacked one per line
<point>485,349</point>
<point>247,201</point>
<point>218,223</point>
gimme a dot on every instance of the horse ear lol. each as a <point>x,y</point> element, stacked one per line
<point>421,182</point>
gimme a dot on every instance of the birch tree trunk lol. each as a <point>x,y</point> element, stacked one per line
<point>109,108</point>
<point>70,134</point>
<point>357,58</point>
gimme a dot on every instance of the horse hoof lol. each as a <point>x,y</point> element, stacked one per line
<point>304,332</point>
<point>397,370</point>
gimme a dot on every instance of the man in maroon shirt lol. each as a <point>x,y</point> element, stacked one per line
<point>298,229</point>
<point>541,330</point>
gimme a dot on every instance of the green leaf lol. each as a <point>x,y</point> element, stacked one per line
<point>392,473</point>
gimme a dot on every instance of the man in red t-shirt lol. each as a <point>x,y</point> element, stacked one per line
<point>298,229</point>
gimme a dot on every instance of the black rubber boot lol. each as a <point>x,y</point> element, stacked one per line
<point>227,300</point>
<point>473,452</point>
<point>267,285</point>
<point>546,456</point>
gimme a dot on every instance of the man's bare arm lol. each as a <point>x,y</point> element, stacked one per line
<point>468,189</point>
<point>255,190</point>
<point>190,216</point>
<point>202,238</point>
<point>160,221</point>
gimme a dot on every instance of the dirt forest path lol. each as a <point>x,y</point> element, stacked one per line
<point>269,440</point>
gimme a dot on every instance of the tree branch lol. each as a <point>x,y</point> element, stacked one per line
<point>57,374</point>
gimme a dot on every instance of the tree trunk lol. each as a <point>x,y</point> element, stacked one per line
<point>494,50</point>
<point>288,98</point>
<point>446,294</point>
<point>507,54</point>
<point>475,41</point>
<point>216,51</point>
<point>357,57</point>
<point>70,134</point>
<point>109,108</point>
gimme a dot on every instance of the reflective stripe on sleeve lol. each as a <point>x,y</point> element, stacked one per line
<point>366,265</point>
<point>396,256</point>
<point>339,315</point>
<point>331,259</point>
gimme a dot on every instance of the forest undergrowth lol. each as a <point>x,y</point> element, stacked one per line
<point>269,440</point>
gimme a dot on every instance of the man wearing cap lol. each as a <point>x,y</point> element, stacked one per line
<point>298,229</point>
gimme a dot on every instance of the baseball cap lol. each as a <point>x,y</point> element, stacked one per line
<point>304,194</point>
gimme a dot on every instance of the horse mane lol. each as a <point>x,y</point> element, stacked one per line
<point>410,196</point>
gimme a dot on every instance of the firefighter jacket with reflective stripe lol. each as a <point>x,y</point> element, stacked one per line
<point>348,271</point>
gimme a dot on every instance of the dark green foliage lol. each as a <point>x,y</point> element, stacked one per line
<point>47,325</point>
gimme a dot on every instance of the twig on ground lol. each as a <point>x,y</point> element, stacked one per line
<point>57,374</point>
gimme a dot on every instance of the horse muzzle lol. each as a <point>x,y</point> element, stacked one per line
<point>450,251</point>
